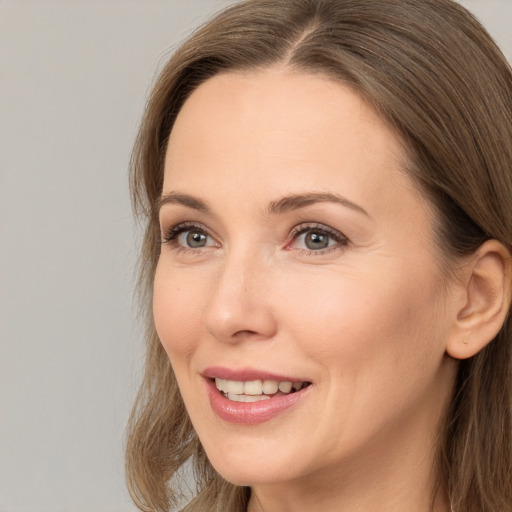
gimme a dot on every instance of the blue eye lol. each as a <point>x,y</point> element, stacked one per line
<point>316,238</point>
<point>194,239</point>
<point>187,236</point>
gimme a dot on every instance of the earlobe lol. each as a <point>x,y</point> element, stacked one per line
<point>487,294</point>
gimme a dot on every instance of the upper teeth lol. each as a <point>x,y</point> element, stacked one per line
<point>256,387</point>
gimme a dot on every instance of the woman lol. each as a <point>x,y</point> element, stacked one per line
<point>326,186</point>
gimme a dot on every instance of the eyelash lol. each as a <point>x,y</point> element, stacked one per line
<point>170,237</point>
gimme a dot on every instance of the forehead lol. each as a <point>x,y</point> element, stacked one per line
<point>278,128</point>
<point>277,101</point>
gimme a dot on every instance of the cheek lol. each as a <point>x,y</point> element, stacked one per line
<point>177,308</point>
<point>378,343</point>
<point>356,319</point>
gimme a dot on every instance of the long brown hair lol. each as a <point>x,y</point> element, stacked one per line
<point>435,74</point>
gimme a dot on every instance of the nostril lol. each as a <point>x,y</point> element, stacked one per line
<point>244,333</point>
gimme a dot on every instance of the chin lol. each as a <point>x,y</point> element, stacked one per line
<point>251,475</point>
<point>256,461</point>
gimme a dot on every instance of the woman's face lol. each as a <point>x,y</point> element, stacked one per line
<point>297,250</point>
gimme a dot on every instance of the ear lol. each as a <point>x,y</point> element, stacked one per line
<point>485,301</point>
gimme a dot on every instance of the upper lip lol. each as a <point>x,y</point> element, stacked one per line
<point>247,374</point>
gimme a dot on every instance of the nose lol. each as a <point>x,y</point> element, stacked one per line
<point>240,306</point>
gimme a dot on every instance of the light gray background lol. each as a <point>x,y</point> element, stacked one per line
<point>74,76</point>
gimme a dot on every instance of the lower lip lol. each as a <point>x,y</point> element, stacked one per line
<point>251,413</point>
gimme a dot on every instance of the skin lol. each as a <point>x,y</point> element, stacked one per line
<point>366,320</point>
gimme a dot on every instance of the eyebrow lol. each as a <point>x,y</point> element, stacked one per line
<point>185,200</point>
<point>297,201</point>
<point>283,205</point>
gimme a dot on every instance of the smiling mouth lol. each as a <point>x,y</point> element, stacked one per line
<point>256,390</point>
